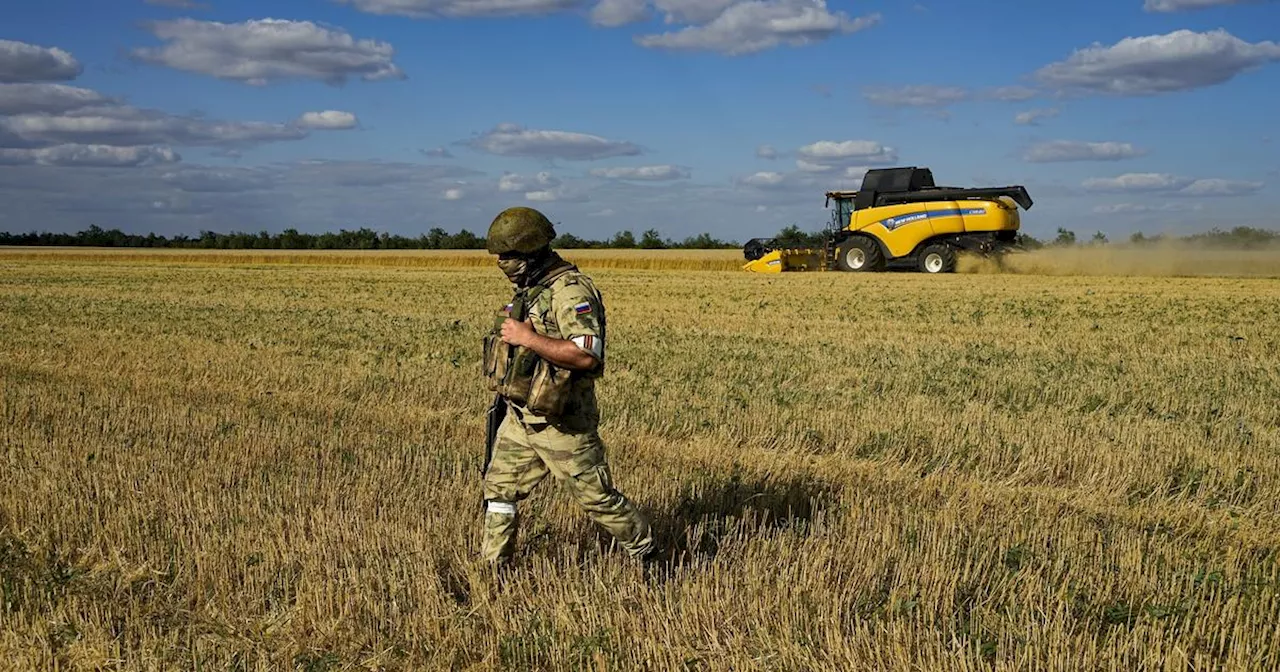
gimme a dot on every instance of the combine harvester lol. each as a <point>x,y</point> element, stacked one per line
<point>900,217</point>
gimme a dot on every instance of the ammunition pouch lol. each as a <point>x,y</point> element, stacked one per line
<point>519,380</point>
<point>549,389</point>
<point>495,356</point>
<point>528,381</point>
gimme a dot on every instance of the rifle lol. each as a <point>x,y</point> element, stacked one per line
<point>498,409</point>
<point>493,420</point>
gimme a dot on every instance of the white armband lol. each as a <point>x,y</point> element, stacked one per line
<point>592,344</point>
<point>506,508</point>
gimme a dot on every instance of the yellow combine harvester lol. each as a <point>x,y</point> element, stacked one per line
<point>900,216</point>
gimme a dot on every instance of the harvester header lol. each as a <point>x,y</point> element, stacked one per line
<point>898,217</point>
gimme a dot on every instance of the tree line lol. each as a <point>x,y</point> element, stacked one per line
<point>1240,237</point>
<point>359,239</point>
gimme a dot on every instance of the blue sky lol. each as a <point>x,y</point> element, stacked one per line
<point>725,116</point>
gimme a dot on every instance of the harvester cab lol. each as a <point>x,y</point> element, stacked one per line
<point>901,217</point>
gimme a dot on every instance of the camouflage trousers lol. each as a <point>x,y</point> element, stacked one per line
<point>522,458</point>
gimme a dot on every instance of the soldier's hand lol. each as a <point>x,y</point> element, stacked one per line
<point>516,333</point>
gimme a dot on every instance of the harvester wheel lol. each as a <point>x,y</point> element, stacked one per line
<point>938,258</point>
<point>859,254</point>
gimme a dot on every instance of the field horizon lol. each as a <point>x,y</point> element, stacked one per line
<point>259,460</point>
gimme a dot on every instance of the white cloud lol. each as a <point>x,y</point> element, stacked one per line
<point>1073,150</point>
<point>756,25</point>
<point>1220,187</point>
<point>1172,184</point>
<point>1120,208</point>
<point>1189,5</point>
<point>22,62</point>
<point>516,182</point>
<point>257,52</point>
<point>320,174</point>
<point>820,166</point>
<point>514,140</point>
<point>561,193</point>
<point>856,173</point>
<point>1136,208</point>
<point>614,13</point>
<point>767,179</point>
<point>437,153</point>
<point>829,154</point>
<point>646,173</point>
<point>45,124</point>
<point>937,96</point>
<point>799,186</point>
<point>692,11</point>
<point>1138,182</point>
<point>428,9</point>
<point>1033,117</point>
<point>327,120</point>
<point>122,125</point>
<point>919,95</point>
<point>766,152</point>
<point>733,27</point>
<point>102,156</point>
<point>453,194</point>
<point>46,98</point>
<point>1155,64</point>
<point>1013,93</point>
<point>215,181</point>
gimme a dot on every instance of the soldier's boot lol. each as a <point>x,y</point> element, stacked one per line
<point>501,527</point>
<point>611,510</point>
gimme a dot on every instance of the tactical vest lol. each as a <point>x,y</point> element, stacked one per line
<point>518,373</point>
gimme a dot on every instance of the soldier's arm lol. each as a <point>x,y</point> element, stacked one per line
<point>564,353</point>
<point>577,313</point>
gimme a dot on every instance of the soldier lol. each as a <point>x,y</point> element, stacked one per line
<point>542,357</point>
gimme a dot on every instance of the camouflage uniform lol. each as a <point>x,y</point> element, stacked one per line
<point>561,437</point>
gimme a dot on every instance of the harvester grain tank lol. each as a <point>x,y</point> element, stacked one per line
<point>900,217</point>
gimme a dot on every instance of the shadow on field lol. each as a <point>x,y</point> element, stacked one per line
<point>720,510</point>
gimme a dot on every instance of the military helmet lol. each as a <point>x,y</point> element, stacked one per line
<point>519,229</point>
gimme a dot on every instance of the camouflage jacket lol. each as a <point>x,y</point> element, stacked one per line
<point>570,308</point>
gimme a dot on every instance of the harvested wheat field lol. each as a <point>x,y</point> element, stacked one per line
<point>226,463</point>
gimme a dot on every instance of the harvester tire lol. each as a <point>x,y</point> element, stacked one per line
<point>937,258</point>
<point>859,254</point>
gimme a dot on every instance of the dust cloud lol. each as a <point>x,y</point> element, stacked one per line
<point>1167,260</point>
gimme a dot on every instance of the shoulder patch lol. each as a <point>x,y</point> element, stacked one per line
<point>582,308</point>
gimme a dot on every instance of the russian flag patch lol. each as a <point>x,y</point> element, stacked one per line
<point>506,308</point>
<point>582,308</point>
